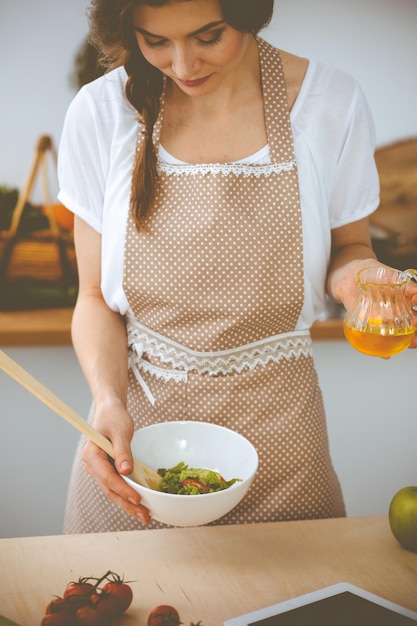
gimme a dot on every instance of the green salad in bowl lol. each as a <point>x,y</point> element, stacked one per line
<point>185,480</point>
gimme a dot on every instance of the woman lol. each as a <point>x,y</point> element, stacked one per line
<point>221,187</point>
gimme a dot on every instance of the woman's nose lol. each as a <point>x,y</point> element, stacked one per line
<point>183,63</point>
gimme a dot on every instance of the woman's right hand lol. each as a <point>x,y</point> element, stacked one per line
<point>114,422</point>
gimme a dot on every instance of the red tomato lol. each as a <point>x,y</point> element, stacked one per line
<point>164,615</point>
<point>57,619</point>
<point>120,593</point>
<point>94,599</point>
<point>195,483</point>
<point>92,616</point>
<point>79,588</point>
<point>63,607</point>
<point>58,605</point>
<point>107,606</point>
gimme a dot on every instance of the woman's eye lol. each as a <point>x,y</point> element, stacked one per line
<point>154,43</point>
<point>211,40</point>
<point>208,39</point>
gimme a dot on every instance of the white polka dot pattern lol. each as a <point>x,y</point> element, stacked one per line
<point>221,266</point>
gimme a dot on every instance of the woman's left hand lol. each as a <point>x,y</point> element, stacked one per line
<point>347,278</point>
<point>351,252</point>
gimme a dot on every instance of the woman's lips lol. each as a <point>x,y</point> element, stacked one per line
<point>193,83</point>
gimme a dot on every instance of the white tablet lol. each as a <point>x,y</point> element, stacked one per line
<point>342,604</point>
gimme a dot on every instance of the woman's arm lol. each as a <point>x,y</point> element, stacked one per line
<point>99,339</point>
<point>351,252</point>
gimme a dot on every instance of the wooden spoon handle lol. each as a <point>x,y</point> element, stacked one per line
<point>141,473</point>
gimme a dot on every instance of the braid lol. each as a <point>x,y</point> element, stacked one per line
<point>111,32</point>
<point>143,90</point>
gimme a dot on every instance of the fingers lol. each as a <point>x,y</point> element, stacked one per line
<point>120,432</point>
<point>112,485</point>
<point>411,293</point>
<point>413,344</point>
<point>122,452</point>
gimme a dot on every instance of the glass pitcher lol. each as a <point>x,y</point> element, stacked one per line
<point>380,320</point>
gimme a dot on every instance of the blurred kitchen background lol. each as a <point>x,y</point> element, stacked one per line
<point>371,404</point>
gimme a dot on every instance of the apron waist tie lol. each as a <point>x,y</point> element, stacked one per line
<point>136,371</point>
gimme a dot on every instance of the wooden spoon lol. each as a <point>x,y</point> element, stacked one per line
<point>141,474</point>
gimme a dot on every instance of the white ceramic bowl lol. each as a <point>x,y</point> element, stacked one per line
<point>201,445</point>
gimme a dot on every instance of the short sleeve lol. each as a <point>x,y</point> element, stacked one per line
<point>82,162</point>
<point>355,191</point>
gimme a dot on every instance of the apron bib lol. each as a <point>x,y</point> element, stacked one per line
<point>215,290</point>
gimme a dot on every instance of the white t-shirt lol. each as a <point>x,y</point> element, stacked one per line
<point>334,146</point>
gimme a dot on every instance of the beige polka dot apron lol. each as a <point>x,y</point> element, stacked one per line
<point>215,290</point>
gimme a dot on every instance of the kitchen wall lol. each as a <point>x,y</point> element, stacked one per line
<point>370,402</point>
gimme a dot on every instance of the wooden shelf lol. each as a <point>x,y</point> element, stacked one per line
<point>46,327</point>
<point>328,330</point>
<point>52,327</point>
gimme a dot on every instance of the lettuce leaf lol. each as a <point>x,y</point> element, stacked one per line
<point>185,480</point>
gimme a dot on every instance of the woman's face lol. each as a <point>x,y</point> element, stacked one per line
<point>190,42</point>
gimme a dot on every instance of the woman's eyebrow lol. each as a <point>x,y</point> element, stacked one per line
<point>204,28</point>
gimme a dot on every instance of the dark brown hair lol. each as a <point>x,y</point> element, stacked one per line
<point>111,31</point>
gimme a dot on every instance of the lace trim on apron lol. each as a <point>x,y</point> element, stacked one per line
<point>225,169</point>
<point>183,360</point>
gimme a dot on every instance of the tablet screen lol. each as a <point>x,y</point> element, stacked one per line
<point>342,604</point>
<point>344,609</point>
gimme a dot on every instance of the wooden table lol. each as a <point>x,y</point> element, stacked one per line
<point>210,573</point>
